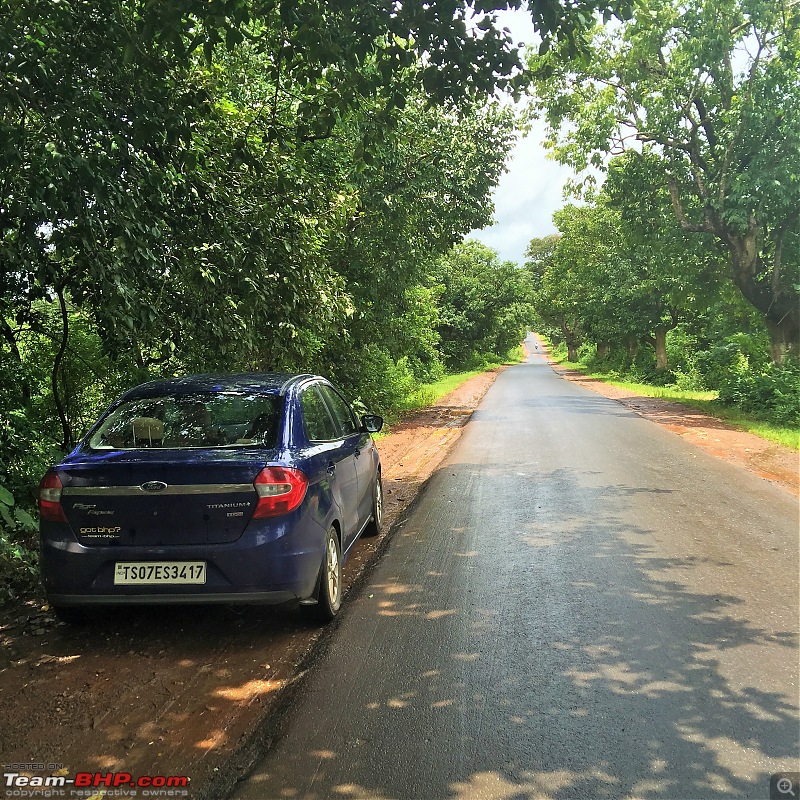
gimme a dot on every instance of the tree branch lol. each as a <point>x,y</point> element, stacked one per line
<point>667,141</point>
<point>706,122</point>
<point>698,165</point>
<point>57,399</point>
<point>677,207</point>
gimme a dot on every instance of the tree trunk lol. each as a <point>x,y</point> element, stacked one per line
<point>66,428</point>
<point>784,339</point>
<point>603,349</point>
<point>572,340</point>
<point>661,347</point>
<point>773,299</point>
<point>762,282</point>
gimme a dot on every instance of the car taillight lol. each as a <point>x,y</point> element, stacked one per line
<point>50,508</point>
<point>280,490</point>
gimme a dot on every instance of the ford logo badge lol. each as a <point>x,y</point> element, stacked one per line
<point>153,486</point>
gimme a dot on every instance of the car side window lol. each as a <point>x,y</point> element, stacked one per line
<point>340,410</point>
<point>319,425</point>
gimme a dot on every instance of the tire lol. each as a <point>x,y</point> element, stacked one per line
<point>329,596</point>
<point>376,525</point>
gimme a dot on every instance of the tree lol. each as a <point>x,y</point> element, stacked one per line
<point>157,160</point>
<point>484,304</point>
<point>675,273</point>
<point>186,215</point>
<point>616,282</point>
<point>193,185</point>
<point>427,184</point>
<point>707,94</point>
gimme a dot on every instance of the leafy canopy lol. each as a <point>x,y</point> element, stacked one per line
<point>704,96</point>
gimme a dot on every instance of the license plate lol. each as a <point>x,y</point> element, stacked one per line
<point>148,573</point>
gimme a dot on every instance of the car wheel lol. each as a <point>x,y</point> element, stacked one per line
<point>329,599</point>
<point>375,525</point>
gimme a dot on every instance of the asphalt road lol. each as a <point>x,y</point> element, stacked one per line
<point>581,605</point>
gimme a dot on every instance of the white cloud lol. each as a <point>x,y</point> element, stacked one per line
<point>532,189</point>
<point>525,199</point>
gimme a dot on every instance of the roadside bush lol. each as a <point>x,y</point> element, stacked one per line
<point>733,358</point>
<point>375,379</point>
<point>429,371</point>
<point>691,380</point>
<point>643,370</point>
<point>28,447</point>
<point>682,349</point>
<point>19,557</point>
<point>618,364</point>
<point>587,354</point>
<point>773,392</point>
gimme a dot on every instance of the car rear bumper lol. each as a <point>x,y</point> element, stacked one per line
<point>225,598</point>
<point>270,563</point>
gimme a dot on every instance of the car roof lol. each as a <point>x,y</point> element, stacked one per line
<point>254,382</point>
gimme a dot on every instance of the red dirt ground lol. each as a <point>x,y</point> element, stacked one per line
<point>200,692</point>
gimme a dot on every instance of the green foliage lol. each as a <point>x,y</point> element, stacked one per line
<point>704,99</point>
<point>735,369</point>
<point>732,357</point>
<point>18,554</point>
<point>484,305</point>
<point>195,186</point>
<point>638,367</point>
<point>772,392</point>
<point>379,382</point>
<point>26,441</point>
<point>610,280</point>
<point>755,421</point>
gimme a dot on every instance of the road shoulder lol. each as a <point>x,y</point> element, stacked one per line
<point>770,461</point>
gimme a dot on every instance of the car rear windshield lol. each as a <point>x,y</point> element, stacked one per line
<point>217,419</point>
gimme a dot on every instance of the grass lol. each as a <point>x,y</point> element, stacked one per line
<point>428,394</point>
<point>702,401</point>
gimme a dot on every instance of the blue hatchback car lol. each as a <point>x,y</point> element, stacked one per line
<point>244,488</point>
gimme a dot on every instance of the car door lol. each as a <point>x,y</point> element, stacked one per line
<point>361,442</point>
<point>338,458</point>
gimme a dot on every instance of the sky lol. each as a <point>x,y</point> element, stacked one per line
<point>531,190</point>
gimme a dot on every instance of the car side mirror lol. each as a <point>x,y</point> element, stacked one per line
<point>372,422</point>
